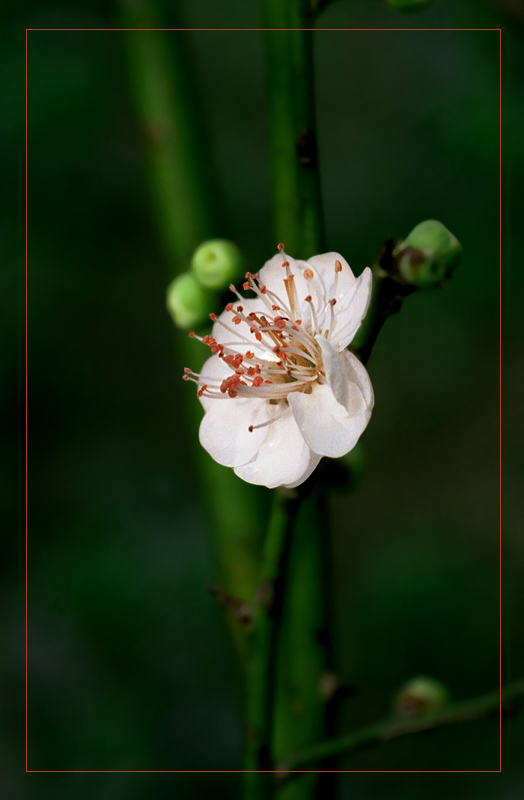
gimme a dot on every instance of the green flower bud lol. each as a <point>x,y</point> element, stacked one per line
<point>217,263</point>
<point>187,302</point>
<point>428,254</point>
<point>419,695</point>
<point>409,5</point>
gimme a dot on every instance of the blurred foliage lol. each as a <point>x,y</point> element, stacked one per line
<point>129,666</point>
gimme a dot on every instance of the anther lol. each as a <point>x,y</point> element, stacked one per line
<point>281,247</point>
<point>229,307</point>
<point>338,266</point>
<point>308,274</point>
<point>332,301</point>
<point>212,317</point>
<point>308,298</point>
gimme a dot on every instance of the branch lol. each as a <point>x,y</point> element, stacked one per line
<point>464,711</point>
<point>297,204</point>
<point>261,663</point>
<point>188,210</point>
<point>421,261</point>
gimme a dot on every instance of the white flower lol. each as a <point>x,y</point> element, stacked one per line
<point>280,390</point>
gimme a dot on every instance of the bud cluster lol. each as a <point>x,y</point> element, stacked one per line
<point>214,265</point>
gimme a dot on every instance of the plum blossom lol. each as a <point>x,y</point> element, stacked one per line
<point>280,390</point>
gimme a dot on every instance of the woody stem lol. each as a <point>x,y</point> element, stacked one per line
<point>302,651</point>
<point>263,642</point>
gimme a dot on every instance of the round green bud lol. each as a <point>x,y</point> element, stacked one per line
<point>187,302</point>
<point>419,695</point>
<point>428,254</point>
<point>421,267</point>
<point>409,5</point>
<point>217,263</point>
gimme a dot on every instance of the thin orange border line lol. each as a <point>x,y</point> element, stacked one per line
<point>153,771</point>
<point>26,704</point>
<point>263,29</point>
<point>500,396</point>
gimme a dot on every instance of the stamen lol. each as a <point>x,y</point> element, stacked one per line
<point>338,268</point>
<point>289,283</point>
<point>267,422</point>
<point>313,314</point>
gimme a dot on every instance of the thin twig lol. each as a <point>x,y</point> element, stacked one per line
<point>464,711</point>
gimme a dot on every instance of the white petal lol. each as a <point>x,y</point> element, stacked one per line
<point>350,314</point>
<point>224,429</point>
<point>283,458</point>
<point>357,373</point>
<point>343,371</point>
<point>324,268</point>
<point>313,463</point>
<point>329,428</point>
<point>335,371</point>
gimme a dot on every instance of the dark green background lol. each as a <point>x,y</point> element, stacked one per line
<point>129,665</point>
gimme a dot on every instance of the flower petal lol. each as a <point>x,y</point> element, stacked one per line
<point>357,373</point>
<point>313,464</point>
<point>343,371</point>
<point>224,430</point>
<point>329,428</point>
<point>350,314</point>
<point>283,458</point>
<point>324,268</point>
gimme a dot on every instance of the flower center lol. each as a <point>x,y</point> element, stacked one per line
<point>286,356</point>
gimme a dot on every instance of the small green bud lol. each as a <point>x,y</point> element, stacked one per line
<point>419,695</point>
<point>428,254</point>
<point>187,302</point>
<point>409,5</point>
<point>217,263</point>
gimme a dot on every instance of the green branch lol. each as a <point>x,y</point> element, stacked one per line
<point>304,642</point>
<point>394,728</point>
<point>188,210</point>
<point>172,121</point>
<point>263,640</point>
<point>297,204</point>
